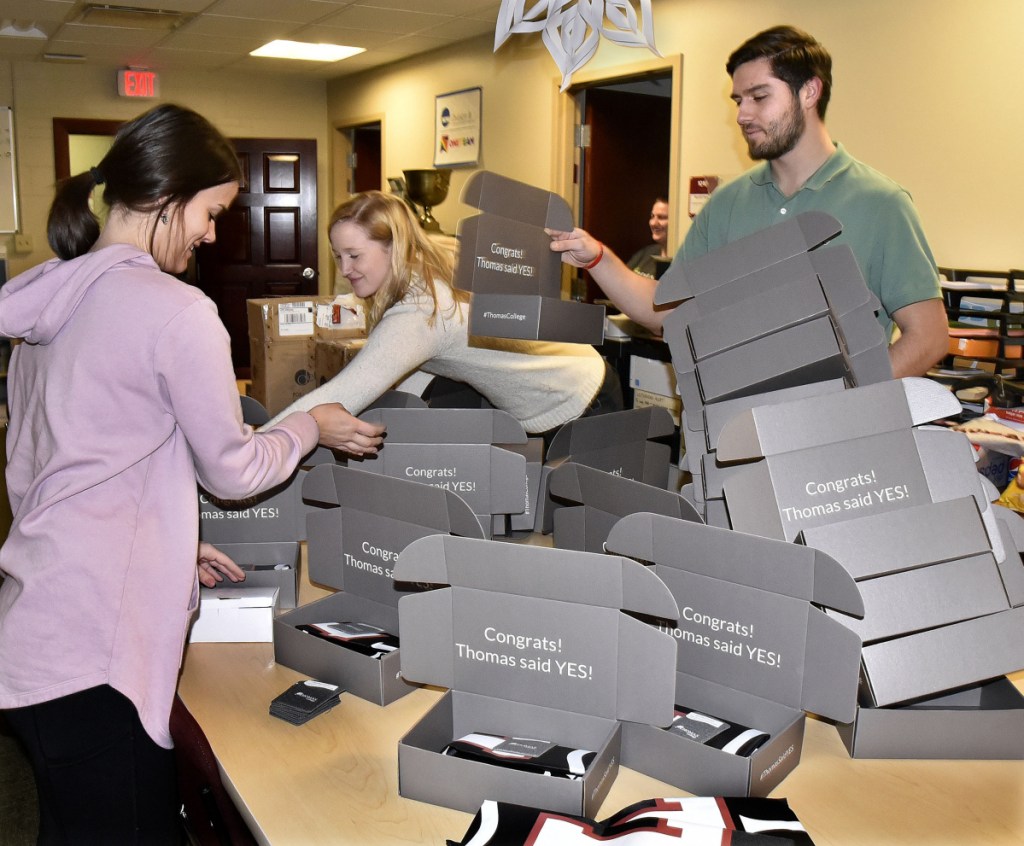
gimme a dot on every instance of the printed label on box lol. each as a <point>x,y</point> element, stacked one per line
<point>295,319</point>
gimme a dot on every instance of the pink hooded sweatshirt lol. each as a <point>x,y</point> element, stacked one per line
<point>121,398</point>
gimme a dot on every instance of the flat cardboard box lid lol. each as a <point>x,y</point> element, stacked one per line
<point>538,625</point>
<point>587,434</point>
<point>496,194</point>
<point>746,255</point>
<point>607,492</point>
<point>746,620</point>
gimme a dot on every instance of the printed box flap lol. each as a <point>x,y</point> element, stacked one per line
<point>274,515</point>
<point>746,618</point>
<point>502,256</point>
<point>892,471</point>
<point>353,546</point>
<point>538,625</point>
<point>532,318</point>
<point>491,480</point>
<point>744,256</point>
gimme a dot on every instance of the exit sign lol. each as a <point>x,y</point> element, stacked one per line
<point>137,83</point>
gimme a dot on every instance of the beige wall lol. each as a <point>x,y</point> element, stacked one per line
<point>240,105</point>
<point>923,90</point>
<point>916,88</point>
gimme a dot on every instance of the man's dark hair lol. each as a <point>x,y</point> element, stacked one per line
<point>793,56</point>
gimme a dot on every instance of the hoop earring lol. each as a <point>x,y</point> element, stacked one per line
<point>164,219</point>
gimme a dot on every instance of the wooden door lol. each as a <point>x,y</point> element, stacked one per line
<point>625,167</point>
<point>366,142</point>
<point>267,241</point>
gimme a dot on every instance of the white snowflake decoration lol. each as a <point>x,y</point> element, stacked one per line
<point>571,29</point>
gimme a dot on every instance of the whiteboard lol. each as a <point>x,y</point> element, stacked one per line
<point>8,178</point>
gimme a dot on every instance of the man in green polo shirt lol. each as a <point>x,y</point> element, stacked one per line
<point>782,81</point>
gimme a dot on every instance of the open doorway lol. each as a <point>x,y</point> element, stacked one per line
<point>625,153</point>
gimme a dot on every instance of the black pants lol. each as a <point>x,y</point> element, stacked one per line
<point>100,777</point>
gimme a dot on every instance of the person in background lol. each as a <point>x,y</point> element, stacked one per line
<point>642,261</point>
<point>122,398</point>
<point>418,321</point>
<point>781,84</point>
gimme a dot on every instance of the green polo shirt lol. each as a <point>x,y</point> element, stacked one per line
<point>879,222</point>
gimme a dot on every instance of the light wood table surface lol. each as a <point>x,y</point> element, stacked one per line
<point>335,780</point>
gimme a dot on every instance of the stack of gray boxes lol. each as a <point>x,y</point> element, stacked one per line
<point>766,316</point>
<point>860,475</point>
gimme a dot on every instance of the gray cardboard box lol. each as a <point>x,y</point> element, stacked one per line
<point>937,607</point>
<point>625,443</point>
<point>942,659</point>
<point>505,259</point>
<point>845,455</point>
<point>854,349</point>
<point>984,721</point>
<point>272,564</point>
<point>531,642</point>
<point>753,648</point>
<point>833,268</point>
<point>453,449</point>
<point>360,524</point>
<point>773,310</point>
<point>588,502</point>
<point>746,255</point>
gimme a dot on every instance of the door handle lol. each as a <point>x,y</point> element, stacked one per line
<point>308,273</point>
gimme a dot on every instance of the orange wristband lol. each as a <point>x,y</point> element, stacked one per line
<point>597,259</point>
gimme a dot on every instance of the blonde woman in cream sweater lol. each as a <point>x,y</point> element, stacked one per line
<point>418,321</point>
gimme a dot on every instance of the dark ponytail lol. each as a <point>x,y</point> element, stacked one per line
<point>72,228</point>
<point>159,160</point>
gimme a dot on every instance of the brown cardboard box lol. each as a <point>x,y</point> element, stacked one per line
<point>331,355</point>
<point>282,336</point>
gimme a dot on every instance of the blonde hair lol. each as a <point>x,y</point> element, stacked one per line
<point>387,219</point>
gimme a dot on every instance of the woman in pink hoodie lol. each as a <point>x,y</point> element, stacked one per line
<point>122,397</point>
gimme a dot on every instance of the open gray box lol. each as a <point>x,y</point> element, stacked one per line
<point>753,648</point>
<point>588,502</point>
<point>848,454</point>
<point>454,449</point>
<point>505,259</point>
<point>531,642</point>
<point>621,442</point>
<point>360,525</point>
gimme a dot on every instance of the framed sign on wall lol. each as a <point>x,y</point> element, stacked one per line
<point>457,127</point>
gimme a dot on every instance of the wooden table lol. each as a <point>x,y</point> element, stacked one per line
<point>335,780</point>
